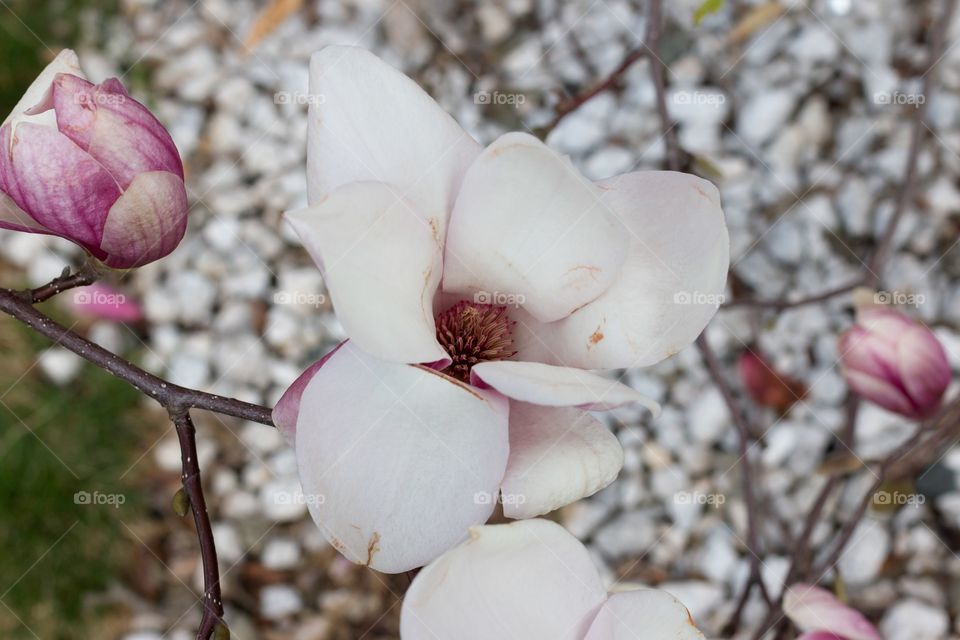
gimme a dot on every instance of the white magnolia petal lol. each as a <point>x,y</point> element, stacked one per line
<point>645,613</point>
<point>381,264</point>
<point>527,224</point>
<point>813,608</point>
<point>369,122</point>
<point>557,456</point>
<point>397,461</point>
<point>65,62</point>
<point>555,386</point>
<point>529,579</point>
<point>669,288</point>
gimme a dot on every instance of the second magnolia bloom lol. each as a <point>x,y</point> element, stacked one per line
<point>91,164</point>
<point>532,580</point>
<point>478,287</point>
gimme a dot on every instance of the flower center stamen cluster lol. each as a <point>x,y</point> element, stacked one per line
<point>472,333</point>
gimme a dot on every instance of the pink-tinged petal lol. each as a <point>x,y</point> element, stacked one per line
<point>38,91</point>
<point>554,386</point>
<point>369,122</point>
<point>529,579</point>
<point>883,320</point>
<point>397,461</point>
<point>645,613</point>
<point>557,456</point>
<point>57,183</point>
<point>103,302</point>
<point>382,264</point>
<point>288,407</point>
<point>147,222</point>
<point>16,219</point>
<point>527,224</point>
<point>926,371</point>
<point>668,289</point>
<point>879,392</point>
<point>812,608</point>
<point>861,350</point>
<point>114,128</point>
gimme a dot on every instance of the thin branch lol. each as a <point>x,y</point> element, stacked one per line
<point>86,275</point>
<point>781,304</point>
<point>171,396</point>
<point>905,194</point>
<point>658,73</point>
<point>673,162</point>
<point>190,477</point>
<point>747,483</point>
<point>572,104</point>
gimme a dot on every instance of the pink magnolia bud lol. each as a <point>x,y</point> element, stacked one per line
<point>91,164</point>
<point>896,362</point>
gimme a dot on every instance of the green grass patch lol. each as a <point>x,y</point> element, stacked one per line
<point>60,545</point>
<point>31,32</point>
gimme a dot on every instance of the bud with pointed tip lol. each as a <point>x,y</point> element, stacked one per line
<point>895,362</point>
<point>91,164</point>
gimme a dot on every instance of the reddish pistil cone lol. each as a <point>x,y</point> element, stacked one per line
<point>472,333</point>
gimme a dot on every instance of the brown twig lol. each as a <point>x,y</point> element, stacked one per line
<point>87,274</point>
<point>782,303</point>
<point>171,396</point>
<point>905,193</point>
<point>190,477</point>
<point>570,105</point>
<point>673,162</point>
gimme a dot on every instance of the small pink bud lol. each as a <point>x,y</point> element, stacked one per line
<point>767,386</point>
<point>102,302</point>
<point>819,613</point>
<point>91,164</point>
<point>896,362</point>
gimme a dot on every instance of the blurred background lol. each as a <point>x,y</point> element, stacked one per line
<point>798,110</point>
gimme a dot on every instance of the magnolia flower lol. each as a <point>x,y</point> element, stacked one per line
<point>91,164</point>
<point>817,612</point>
<point>554,593</point>
<point>476,286</point>
<point>896,362</point>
